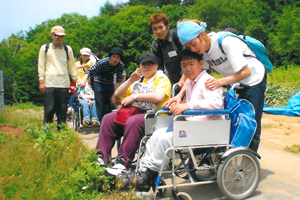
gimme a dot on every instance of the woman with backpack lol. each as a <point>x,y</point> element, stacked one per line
<point>232,64</point>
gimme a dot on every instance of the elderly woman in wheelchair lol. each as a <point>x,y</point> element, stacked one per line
<point>147,92</point>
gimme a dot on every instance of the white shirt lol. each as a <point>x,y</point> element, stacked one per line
<point>234,60</point>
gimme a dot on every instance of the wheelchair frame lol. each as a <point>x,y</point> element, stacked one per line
<point>235,169</point>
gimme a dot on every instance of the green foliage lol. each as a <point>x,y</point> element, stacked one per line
<point>283,83</point>
<point>126,26</point>
<point>46,164</point>
<point>294,148</point>
<point>286,37</point>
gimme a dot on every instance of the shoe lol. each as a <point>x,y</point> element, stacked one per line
<point>86,121</point>
<point>142,181</point>
<point>118,168</point>
<point>69,112</point>
<point>95,122</point>
<point>99,161</point>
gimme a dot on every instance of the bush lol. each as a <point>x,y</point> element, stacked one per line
<point>46,164</point>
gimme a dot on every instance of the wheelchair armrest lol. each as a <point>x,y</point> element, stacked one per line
<point>206,112</point>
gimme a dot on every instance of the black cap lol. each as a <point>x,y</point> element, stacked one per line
<point>116,50</point>
<point>148,57</point>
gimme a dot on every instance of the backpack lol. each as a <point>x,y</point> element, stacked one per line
<point>65,48</point>
<point>256,46</point>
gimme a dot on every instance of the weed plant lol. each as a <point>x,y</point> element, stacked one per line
<point>46,164</point>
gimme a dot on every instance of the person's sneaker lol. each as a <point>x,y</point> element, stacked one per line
<point>69,112</point>
<point>86,121</point>
<point>99,161</point>
<point>142,181</point>
<point>95,122</point>
<point>118,168</point>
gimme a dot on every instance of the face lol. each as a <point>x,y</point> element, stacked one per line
<point>160,30</point>
<point>192,68</point>
<point>57,39</point>
<point>148,69</point>
<point>114,59</point>
<point>198,44</point>
<point>85,58</point>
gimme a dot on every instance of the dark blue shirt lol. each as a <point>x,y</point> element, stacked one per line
<point>103,72</point>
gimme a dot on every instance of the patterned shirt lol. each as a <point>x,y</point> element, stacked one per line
<point>103,72</point>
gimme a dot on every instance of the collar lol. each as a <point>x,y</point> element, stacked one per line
<point>169,37</point>
<point>59,47</point>
<point>199,76</point>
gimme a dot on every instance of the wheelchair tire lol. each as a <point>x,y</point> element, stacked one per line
<point>183,196</point>
<point>239,175</point>
<point>75,120</point>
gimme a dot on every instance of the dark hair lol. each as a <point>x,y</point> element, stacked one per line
<point>158,17</point>
<point>116,50</point>
<point>186,54</point>
<point>231,30</point>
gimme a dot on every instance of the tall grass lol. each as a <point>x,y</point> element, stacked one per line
<point>46,164</point>
<point>286,76</point>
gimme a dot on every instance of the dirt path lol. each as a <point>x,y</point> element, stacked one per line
<point>279,131</point>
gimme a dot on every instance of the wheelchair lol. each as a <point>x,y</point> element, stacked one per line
<point>205,152</point>
<point>77,115</point>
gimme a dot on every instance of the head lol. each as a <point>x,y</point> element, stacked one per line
<point>57,35</point>
<point>116,55</point>
<point>191,63</point>
<point>192,34</point>
<point>160,25</point>
<point>148,64</point>
<point>85,54</point>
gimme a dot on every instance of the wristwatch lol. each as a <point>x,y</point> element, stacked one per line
<point>135,96</point>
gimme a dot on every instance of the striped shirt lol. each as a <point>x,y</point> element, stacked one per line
<point>103,72</point>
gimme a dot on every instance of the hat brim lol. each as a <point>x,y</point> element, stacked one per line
<point>85,54</point>
<point>60,34</point>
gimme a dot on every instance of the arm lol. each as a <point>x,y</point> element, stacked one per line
<point>179,96</point>
<point>157,52</point>
<point>83,96</point>
<point>182,81</point>
<point>121,90</point>
<point>82,82</point>
<point>213,84</point>
<point>71,65</point>
<point>83,66</point>
<point>42,69</point>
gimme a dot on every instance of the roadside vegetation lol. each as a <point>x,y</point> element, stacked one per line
<point>40,163</point>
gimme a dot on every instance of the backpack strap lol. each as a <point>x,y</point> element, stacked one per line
<point>46,48</point>
<point>220,39</point>
<point>65,48</point>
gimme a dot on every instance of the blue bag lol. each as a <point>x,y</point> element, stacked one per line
<point>243,124</point>
<point>256,46</point>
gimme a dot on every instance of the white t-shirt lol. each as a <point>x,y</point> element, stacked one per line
<point>234,60</point>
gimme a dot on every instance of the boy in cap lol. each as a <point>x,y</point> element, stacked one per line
<point>148,92</point>
<point>102,73</point>
<point>56,61</point>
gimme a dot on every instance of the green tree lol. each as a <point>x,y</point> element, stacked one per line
<point>286,38</point>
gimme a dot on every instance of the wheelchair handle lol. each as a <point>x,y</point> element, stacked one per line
<point>175,86</point>
<point>240,86</point>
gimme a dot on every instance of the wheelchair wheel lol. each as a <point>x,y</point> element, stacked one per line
<point>239,175</point>
<point>162,191</point>
<point>75,120</point>
<point>184,196</point>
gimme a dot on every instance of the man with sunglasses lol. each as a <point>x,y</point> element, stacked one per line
<point>56,61</point>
